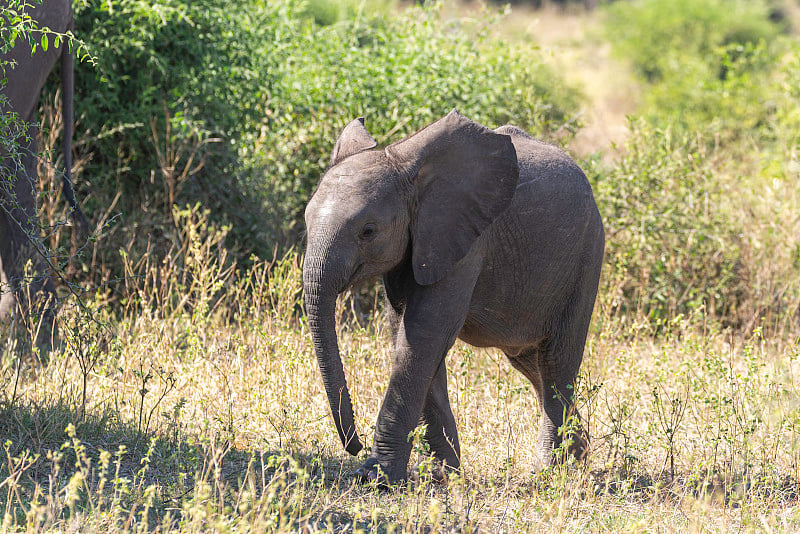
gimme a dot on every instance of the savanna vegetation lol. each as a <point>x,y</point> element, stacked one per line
<point>184,393</point>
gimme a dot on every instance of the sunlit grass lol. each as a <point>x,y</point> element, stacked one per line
<point>207,412</point>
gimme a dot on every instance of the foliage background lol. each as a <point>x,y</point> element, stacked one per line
<point>272,88</point>
<point>205,127</point>
<point>237,109</point>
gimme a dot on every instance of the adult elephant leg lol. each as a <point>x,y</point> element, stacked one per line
<point>441,433</point>
<point>7,174</point>
<point>6,291</point>
<point>20,228</point>
<point>21,232</point>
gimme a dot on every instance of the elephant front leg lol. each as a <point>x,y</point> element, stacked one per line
<point>432,317</point>
<point>34,292</point>
<point>400,412</point>
<point>417,390</point>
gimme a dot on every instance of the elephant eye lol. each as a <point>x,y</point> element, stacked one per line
<point>368,232</point>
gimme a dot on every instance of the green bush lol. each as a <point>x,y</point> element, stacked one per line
<point>258,92</point>
<point>400,74</point>
<point>700,210</point>
<point>703,61</point>
<point>783,94</point>
<point>730,105</point>
<point>671,243</point>
<point>663,37</point>
<point>691,223</point>
<point>162,113</point>
<point>326,12</point>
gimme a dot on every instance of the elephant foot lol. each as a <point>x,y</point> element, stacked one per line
<point>558,444</point>
<point>576,446</point>
<point>371,472</point>
<point>433,469</point>
<point>556,452</point>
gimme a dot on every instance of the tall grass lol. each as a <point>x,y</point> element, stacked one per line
<point>204,411</point>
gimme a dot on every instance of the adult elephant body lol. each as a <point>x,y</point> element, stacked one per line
<point>18,221</point>
<point>487,235</point>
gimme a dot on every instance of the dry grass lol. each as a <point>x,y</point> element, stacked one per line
<point>217,401</point>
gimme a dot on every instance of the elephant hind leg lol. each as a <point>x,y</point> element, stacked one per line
<point>441,433</point>
<point>553,378</point>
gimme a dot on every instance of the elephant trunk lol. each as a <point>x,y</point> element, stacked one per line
<point>320,290</point>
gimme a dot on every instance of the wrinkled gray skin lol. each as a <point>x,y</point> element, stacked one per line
<point>18,198</point>
<point>488,236</point>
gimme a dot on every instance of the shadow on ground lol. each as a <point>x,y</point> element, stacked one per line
<point>50,453</point>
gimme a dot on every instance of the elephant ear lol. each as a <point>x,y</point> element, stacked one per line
<point>354,139</point>
<point>465,176</point>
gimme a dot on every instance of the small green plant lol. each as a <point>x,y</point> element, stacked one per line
<point>167,382</point>
<point>670,410</point>
<point>88,341</point>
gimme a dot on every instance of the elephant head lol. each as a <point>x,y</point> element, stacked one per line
<point>424,200</point>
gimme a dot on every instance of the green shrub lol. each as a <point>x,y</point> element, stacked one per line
<point>663,37</point>
<point>700,210</point>
<point>730,106</point>
<point>784,95</point>
<point>686,228</point>
<point>257,92</point>
<point>400,74</point>
<point>326,12</point>
<point>704,62</point>
<point>671,244</point>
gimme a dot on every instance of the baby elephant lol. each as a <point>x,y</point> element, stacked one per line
<point>485,235</point>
